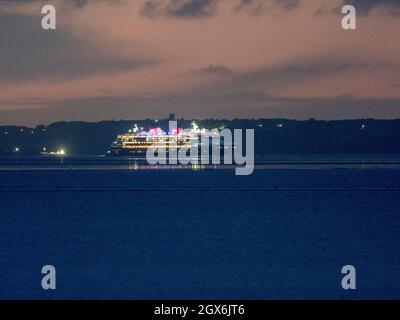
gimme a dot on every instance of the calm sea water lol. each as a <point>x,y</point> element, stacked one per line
<point>208,234</point>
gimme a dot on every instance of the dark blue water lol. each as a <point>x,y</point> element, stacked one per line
<point>200,234</point>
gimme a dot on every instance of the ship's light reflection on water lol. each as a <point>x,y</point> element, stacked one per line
<point>194,167</point>
<point>103,163</point>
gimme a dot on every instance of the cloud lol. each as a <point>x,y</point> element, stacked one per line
<point>217,70</point>
<point>75,3</point>
<point>29,53</point>
<point>179,8</point>
<point>257,7</point>
<point>82,3</point>
<point>366,6</point>
<point>244,105</point>
<point>280,76</point>
<point>235,94</point>
<point>254,83</point>
<point>205,8</point>
<point>289,4</point>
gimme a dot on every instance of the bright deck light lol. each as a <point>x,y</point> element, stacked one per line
<point>61,152</point>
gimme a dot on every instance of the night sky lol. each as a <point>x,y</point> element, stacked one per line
<point>128,59</point>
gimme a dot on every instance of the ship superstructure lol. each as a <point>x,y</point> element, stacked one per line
<point>138,142</point>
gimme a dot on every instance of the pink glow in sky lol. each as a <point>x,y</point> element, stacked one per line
<point>204,58</point>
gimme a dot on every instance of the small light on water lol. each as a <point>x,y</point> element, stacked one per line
<point>61,152</point>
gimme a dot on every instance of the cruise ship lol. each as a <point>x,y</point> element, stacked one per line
<point>137,141</point>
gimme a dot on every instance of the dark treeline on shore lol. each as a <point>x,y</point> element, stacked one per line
<point>272,136</point>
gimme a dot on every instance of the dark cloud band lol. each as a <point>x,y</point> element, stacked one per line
<point>366,6</point>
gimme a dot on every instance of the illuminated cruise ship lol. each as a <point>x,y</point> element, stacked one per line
<point>136,142</point>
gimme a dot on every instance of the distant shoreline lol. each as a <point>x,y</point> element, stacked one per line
<point>272,136</point>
